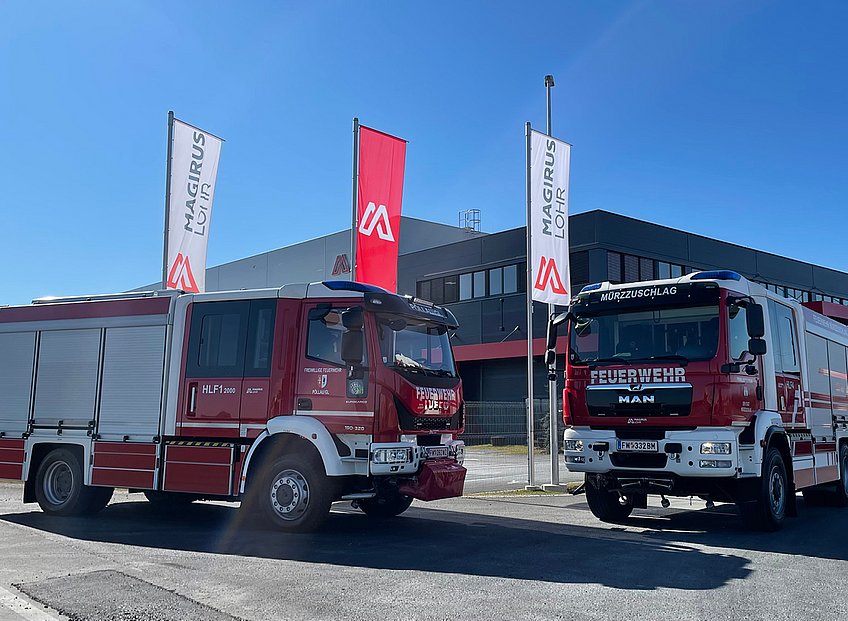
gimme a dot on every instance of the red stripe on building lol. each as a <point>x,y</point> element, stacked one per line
<point>509,349</point>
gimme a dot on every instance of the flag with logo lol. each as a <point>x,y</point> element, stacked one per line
<point>550,161</point>
<point>192,173</point>
<point>379,195</point>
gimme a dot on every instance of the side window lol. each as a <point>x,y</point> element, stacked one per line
<point>738,331</point>
<point>324,338</point>
<point>784,337</point>
<point>260,338</point>
<point>216,345</point>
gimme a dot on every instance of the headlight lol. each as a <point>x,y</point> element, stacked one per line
<point>716,448</point>
<point>573,445</point>
<point>392,456</point>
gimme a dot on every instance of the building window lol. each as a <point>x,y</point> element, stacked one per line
<point>613,267</point>
<point>451,290</point>
<point>631,268</point>
<point>437,290</point>
<point>646,269</point>
<point>579,269</point>
<point>663,270</point>
<point>676,271</point>
<point>465,286</point>
<point>510,279</point>
<point>424,289</point>
<point>496,281</point>
<point>480,284</point>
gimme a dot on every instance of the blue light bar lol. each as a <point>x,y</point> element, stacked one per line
<point>347,285</point>
<point>716,275</point>
<point>592,287</point>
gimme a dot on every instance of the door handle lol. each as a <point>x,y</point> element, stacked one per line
<point>304,404</point>
<point>192,400</point>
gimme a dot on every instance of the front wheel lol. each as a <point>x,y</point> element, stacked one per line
<point>604,504</point>
<point>385,505</point>
<point>768,510</point>
<point>292,494</point>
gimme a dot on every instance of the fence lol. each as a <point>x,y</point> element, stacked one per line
<point>496,439</point>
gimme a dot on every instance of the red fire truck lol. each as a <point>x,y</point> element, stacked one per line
<point>286,399</point>
<point>707,385</point>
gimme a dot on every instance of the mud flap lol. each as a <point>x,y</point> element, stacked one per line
<point>438,479</point>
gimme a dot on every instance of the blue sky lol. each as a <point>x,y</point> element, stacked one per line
<point>724,118</point>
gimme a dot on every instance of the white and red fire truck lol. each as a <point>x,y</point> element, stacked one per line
<point>707,385</point>
<point>287,399</point>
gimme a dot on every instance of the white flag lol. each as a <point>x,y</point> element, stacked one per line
<point>194,167</point>
<point>550,160</point>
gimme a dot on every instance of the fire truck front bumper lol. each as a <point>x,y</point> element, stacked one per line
<point>700,452</point>
<point>426,472</point>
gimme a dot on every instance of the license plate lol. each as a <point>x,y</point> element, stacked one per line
<point>435,452</point>
<point>639,446</point>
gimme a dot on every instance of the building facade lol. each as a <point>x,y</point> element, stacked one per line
<point>482,278</point>
<point>483,281</point>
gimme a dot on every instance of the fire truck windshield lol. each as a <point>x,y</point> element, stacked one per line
<point>680,333</point>
<point>415,346</point>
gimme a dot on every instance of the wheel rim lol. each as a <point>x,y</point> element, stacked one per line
<point>777,492</point>
<point>58,482</point>
<point>289,495</point>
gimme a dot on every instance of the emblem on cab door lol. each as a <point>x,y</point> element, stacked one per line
<point>322,381</point>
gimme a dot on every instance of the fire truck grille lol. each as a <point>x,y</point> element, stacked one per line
<point>409,422</point>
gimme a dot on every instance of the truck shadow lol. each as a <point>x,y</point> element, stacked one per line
<point>431,540</point>
<point>817,532</point>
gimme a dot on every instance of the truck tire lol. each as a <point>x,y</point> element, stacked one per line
<point>292,494</point>
<point>841,496</point>
<point>604,504</point>
<point>768,511</point>
<point>59,487</point>
<point>385,505</point>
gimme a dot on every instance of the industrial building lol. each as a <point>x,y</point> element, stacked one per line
<point>481,277</point>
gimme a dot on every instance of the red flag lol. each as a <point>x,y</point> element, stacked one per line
<point>381,161</point>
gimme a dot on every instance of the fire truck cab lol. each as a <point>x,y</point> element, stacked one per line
<point>286,399</point>
<point>707,385</point>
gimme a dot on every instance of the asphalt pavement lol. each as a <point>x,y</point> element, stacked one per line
<point>502,469</point>
<point>519,557</point>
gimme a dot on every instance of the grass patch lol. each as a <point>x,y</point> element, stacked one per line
<point>569,488</point>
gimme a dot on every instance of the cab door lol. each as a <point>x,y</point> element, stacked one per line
<point>214,369</point>
<point>787,365</point>
<point>325,388</point>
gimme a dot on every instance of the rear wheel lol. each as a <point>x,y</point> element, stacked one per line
<point>842,484</point>
<point>385,505</point>
<point>292,494</point>
<point>605,504</point>
<point>768,511</point>
<point>59,487</point>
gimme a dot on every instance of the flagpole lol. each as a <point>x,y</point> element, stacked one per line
<point>552,391</point>
<point>168,198</point>
<point>531,477</point>
<point>354,220</point>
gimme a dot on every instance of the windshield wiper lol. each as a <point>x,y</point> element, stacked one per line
<point>441,372</point>
<point>683,359</point>
<point>610,360</point>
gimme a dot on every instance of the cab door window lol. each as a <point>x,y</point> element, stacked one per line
<point>217,339</point>
<point>737,331</point>
<point>324,338</point>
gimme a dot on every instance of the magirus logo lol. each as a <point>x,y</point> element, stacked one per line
<point>181,277</point>
<point>376,218</point>
<point>548,275</point>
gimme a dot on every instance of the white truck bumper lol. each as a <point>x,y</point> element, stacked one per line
<point>681,452</point>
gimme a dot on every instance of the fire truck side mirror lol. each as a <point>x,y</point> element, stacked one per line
<point>353,348</point>
<point>553,328</point>
<point>757,346</point>
<point>756,322</point>
<point>353,319</point>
